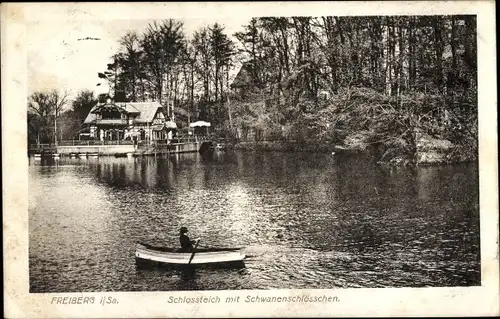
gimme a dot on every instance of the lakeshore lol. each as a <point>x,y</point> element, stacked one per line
<point>428,151</point>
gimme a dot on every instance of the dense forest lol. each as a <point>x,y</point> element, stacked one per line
<point>351,81</point>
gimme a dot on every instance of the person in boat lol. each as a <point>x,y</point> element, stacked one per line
<point>186,243</point>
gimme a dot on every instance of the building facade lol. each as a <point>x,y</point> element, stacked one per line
<point>135,121</point>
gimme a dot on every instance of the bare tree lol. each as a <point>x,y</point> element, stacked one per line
<point>47,107</point>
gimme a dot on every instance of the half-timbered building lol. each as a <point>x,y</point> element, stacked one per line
<point>128,121</point>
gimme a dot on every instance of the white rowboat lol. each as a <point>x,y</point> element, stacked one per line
<point>201,256</point>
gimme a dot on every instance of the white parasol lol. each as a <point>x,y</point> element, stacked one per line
<point>200,124</point>
<point>170,125</point>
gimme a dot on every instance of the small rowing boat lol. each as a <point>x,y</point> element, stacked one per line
<point>200,256</point>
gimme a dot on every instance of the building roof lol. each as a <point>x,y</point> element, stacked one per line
<point>107,107</point>
<point>243,78</point>
<point>146,110</point>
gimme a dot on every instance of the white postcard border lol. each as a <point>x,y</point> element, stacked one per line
<point>457,301</point>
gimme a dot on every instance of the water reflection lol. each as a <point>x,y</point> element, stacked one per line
<point>308,221</point>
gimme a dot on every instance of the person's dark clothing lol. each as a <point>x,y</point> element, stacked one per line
<point>186,244</point>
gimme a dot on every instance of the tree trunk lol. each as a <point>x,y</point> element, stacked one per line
<point>192,94</point>
<point>388,58</point>
<point>401,58</point>
<point>452,74</point>
<point>470,42</point>
<point>411,53</point>
<point>438,51</point>
<point>285,50</point>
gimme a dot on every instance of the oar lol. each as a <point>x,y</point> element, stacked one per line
<point>194,251</point>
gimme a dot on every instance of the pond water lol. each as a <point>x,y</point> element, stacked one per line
<point>306,220</point>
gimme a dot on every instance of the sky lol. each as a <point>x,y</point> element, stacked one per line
<point>57,59</point>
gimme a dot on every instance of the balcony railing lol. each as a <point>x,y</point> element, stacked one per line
<point>111,121</point>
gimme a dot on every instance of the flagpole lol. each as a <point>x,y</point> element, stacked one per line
<point>55,127</point>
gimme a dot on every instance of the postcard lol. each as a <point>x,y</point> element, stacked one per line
<point>250,159</point>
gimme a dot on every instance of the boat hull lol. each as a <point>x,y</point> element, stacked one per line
<point>221,257</point>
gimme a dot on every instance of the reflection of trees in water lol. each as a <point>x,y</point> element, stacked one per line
<point>185,171</point>
<point>143,171</point>
<point>151,172</point>
<point>425,182</point>
<point>128,172</point>
<point>449,183</point>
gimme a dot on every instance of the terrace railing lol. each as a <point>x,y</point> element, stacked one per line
<point>41,147</point>
<point>180,139</point>
<point>94,142</point>
<point>188,139</point>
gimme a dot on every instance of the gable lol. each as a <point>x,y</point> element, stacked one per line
<point>159,117</point>
<point>144,112</point>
